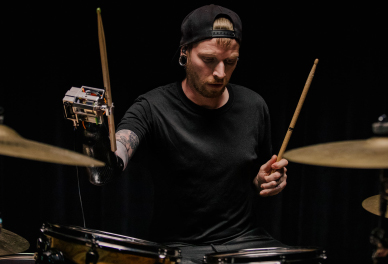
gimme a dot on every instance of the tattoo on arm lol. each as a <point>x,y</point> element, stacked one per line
<point>129,139</point>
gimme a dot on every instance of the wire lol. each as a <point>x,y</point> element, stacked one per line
<point>80,199</point>
<point>79,187</point>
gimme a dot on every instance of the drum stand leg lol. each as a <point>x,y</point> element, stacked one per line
<point>378,236</point>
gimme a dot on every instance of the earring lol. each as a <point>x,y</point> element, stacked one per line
<point>182,60</point>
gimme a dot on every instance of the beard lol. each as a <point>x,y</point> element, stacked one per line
<point>200,85</point>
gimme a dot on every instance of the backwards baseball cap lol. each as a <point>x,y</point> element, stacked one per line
<point>198,25</point>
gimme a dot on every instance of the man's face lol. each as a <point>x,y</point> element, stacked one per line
<point>210,66</point>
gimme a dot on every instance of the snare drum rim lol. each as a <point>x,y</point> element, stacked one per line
<point>269,254</point>
<point>18,256</point>
<point>108,241</point>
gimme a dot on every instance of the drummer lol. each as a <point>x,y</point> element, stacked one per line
<point>205,142</point>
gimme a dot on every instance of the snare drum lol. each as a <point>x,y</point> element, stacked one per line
<point>20,258</point>
<point>274,255</point>
<point>78,245</point>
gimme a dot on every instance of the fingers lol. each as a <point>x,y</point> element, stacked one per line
<point>275,176</point>
<point>273,191</point>
<point>268,166</point>
<point>275,182</point>
<point>279,165</point>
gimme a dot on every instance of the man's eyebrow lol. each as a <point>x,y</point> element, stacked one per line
<point>234,56</point>
<point>206,54</point>
<point>211,54</point>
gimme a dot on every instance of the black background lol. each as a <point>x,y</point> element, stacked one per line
<point>48,48</point>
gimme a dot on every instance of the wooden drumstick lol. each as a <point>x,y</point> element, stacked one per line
<point>297,111</point>
<point>105,75</point>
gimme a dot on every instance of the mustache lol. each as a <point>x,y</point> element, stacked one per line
<point>223,81</point>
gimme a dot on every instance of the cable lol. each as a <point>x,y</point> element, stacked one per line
<point>80,199</point>
<point>79,187</point>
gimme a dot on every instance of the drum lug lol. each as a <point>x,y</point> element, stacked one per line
<point>45,254</point>
<point>91,256</point>
<point>50,256</point>
<point>323,255</point>
<point>219,261</point>
<point>162,253</point>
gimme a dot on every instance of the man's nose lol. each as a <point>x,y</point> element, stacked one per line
<point>219,71</point>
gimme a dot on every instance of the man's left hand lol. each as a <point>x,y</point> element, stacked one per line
<point>269,183</point>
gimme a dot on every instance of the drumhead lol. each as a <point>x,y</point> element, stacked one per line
<point>108,241</point>
<point>270,255</point>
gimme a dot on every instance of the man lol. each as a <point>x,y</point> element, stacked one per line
<point>203,140</point>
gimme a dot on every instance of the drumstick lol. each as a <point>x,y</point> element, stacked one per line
<point>105,75</point>
<point>297,111</point>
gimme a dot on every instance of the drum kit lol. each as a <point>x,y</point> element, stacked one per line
<point>72,244</point>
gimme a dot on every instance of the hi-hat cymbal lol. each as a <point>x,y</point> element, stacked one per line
<point>12,144</point>
<point>11,243</point>
<point>362,154</point>
<point>372,205</point>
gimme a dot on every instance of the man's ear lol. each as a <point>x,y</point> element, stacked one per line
<point>184,50</point>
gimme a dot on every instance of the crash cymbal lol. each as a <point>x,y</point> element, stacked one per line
<point>372,205</point>
<point>11,243</point>
<point>362,154</point>
<point>12,144</point>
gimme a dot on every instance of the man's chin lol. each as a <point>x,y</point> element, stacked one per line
<point>213,92</point>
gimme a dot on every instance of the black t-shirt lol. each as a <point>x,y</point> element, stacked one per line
<point>202,161</point>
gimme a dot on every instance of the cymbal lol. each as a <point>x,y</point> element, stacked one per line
<point>11,243</point>
<point>362,154</point>
<point>12,144</point>
<point>372,205</point>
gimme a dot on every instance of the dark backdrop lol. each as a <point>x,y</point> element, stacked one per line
<point>50,48</point>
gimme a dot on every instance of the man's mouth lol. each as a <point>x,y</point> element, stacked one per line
<point>216,85</point>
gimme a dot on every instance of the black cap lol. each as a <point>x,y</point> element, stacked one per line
<point>198,25</point>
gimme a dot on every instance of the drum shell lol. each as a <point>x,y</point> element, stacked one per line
<point>279,255</point>
<point>21,258</point>
<point>75,242</point>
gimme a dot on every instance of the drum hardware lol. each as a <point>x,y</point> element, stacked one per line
<point>88,104</point>
<point>25,258</point>
<point>45,254</point>
<point>362,154</point>
<point>372,205</point>
<point>277,255</point>
<point>50,256</point>
<point>12,144</point>
<point>378,237</point>
<point>92,256</point>
<point>371,153</point>
<point>11,243</point>
<point>162,253</point>
<point>1,222</point>
<point>85,104</point>
<point>82,245</point>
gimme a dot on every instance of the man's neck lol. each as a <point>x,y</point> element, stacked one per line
<point>210,103</point>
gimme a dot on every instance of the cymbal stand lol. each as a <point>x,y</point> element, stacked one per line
<point>378,236</point>
<point>1,167</point>
<point>383,198</point>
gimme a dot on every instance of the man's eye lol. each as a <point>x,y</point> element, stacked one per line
<point>230,62</point>
<point>208,60</point>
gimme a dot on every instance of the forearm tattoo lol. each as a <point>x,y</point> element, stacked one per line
<point>129,139</point>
